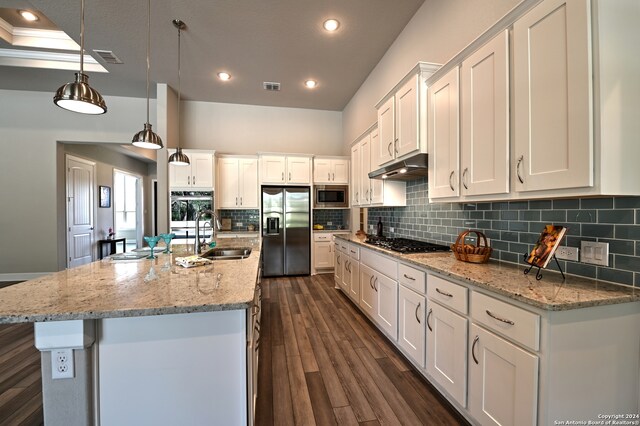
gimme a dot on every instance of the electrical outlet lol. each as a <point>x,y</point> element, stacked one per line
<point>567,253</point>
<point>595,253</point>
<point>392,229</point>
<point>239,223</point>
<point>329,223</point>
<point>62,364</point>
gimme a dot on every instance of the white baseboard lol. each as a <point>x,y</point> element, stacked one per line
<point>25,276</point>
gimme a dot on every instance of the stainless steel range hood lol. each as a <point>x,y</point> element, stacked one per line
<point>407,169</point>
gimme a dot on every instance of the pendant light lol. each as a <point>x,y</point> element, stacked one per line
<point>179,158</point>
<point>146,138</point>
<point>78,96</point>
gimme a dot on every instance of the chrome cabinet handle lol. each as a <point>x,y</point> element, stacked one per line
<point>352,251</point>
<point>375,287</point>
<point>395,146</point>
<point>328,176</point>
<point>356,197</point>
<point>506,321</point>
<point>520,160</point>
<point>371,282</point>
<point>473,349</point>
<point>464,174</point>
<point>189,180</point>
<point>289,175</point>
<point>418,307</point>
<point>338,260</point>
<point>450,177</point>
<point>428,315</point>
<point>408,277</point>
<point>389,149</point>
<point>193,182</point>
<point>444,293</point>
<point>283,176</point>
<point>240,200</point>
<point>236,201</point>
<point>333,176</point>
<point>349,266</point>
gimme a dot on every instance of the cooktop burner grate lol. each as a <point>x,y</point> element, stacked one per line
<point>405,245</point>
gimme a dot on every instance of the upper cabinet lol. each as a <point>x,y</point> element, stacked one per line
<point>401,117</point>
<point>330,170</point>
<point>285,170</point>
<point>237,183</point>
<point>197,175</point>
<point>552,83</point>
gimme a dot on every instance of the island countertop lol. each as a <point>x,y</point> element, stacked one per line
<point>107,289</point>
<point>551,293</point>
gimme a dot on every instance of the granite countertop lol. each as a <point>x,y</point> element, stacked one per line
<point>332,231</point>
<point>551,293</point>
<point>107,289</point>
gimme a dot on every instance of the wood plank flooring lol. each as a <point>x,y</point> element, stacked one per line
<point>323,363</point>
<point>20,377</point>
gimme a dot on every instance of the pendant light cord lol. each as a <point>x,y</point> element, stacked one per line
<point>82,38</point>
<point>148,50</point>
<point>179,85</point>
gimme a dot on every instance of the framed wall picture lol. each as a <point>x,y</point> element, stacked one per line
<point>105,196</point>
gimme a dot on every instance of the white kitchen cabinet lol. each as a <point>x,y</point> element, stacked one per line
<point>365,168</point>
<point>401,115</point>
<point>485,139</point>
<point>197,175</point>
<point>444,142</point>
<point>376,194</point>
<point>447,350</point>
<point>351,272</point>
<point>411,329</point>
<point>330,171</point>
<point>552,83</point>
<point>346,274</point>
<point>237,183</point>
<point>356,176</point>
<point>368,295</point>
<point>503,381</point>
<point>323,256</point>
<point>285,170</point>
<point>387,313</point>
<point>337,262</point>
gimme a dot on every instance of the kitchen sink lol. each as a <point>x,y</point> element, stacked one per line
<point>227,253</point>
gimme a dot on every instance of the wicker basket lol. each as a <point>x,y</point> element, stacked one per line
<point>470,253</point>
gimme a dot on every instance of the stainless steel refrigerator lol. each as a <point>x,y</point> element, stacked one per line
<point>286,231</point>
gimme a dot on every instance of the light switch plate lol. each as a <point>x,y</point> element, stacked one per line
<point>594,253</point>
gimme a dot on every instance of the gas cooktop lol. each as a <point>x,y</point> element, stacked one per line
<point>405,245</point>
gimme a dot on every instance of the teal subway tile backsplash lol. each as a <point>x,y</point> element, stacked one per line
<point>514,227</point>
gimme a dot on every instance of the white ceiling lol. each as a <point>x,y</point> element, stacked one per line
<point>254,40</point>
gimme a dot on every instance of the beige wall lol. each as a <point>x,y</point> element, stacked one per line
<point>437,32</point>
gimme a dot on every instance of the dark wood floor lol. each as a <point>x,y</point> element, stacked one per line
<point>322,362</point>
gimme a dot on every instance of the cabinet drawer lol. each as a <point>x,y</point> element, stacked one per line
<point>354,251</point>
<point>322,237</point>
<point>412,278</point>
<point>380,263</point>
<point>344,246</point>
<point>447,293</point>
<point>511,321</point>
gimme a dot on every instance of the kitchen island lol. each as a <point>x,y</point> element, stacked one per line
<point>153,343</point>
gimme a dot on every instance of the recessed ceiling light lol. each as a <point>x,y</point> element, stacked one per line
<point>224,76</point>
<point>311,84</point>
<point>331,24</point>
<point>29,16</point>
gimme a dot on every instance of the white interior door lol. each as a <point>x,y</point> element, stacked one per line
<point>80,221</point>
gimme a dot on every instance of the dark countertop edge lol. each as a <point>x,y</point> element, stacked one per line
<point>566,306</point>
<point>128,313</point>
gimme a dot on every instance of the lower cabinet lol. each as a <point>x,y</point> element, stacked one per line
<point>447,350</point>
<point>387,294</point>
<point>411,329</point>
<point>503,381</point>
<point>323,254</point>
<point>337,261</point>
<point>368,296</point>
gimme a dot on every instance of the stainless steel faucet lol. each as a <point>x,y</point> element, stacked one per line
<point>217,225</point>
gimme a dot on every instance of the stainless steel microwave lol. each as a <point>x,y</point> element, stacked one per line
<point>331,196</point>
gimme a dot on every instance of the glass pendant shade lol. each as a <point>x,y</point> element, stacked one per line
<point>147,138</point>
<point>80,97</point>
<point>179,158</point>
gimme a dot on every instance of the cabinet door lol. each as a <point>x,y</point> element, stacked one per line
<point>337,261</point>
<point>355,175</point>
<point>365,168</point>
<point>180,176</point>
<point>354,287</point>
<point>273,169</point>
<point>386,127</point>
<point>201,171</point>
<point>376,186</point>
<point>443,136</point>
<point>346,274</point>
<point>228,184</point>
<point>340,172</point>
<point>553,97</point>
<point>299,170</point>
<point>248,185</point>
<point>447,350</point>
<point>387,314</point>
<point>407,122</point>
<point>503,381</point>
<point>368,295</point>
<point>322,255</point>
<point>485,119</point>
<point>322,170</point>
<point>411,336</point>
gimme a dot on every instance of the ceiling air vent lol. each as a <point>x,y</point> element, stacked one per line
<point>108,56</point>
<point>271,86</point>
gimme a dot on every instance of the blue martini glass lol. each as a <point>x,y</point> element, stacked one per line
<point>152,241</point>
<point>167,240</point>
